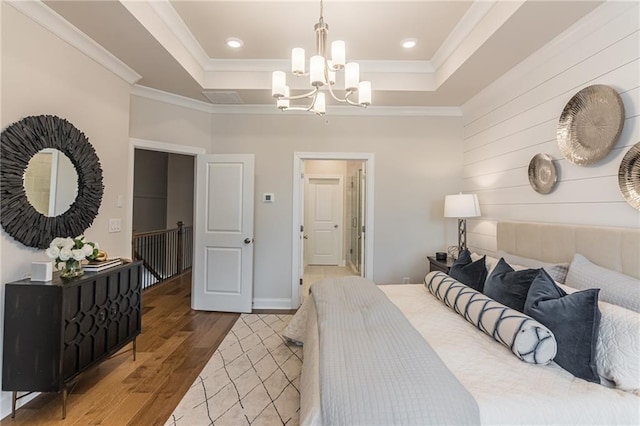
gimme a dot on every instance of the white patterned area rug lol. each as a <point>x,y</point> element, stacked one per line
<point>252,379</point>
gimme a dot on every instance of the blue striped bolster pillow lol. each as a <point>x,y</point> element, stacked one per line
<point>529,340</point>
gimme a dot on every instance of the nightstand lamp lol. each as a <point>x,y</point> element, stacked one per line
<point>461,206</point>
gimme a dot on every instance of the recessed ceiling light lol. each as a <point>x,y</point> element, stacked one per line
<point>409,43</point>
<point>234,43</point>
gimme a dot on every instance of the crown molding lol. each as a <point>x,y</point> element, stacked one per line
<point>170,98</point>
<point>463,28</point>
<point>52,21</point>
<point>334,110</point>
<point>269,65</point>
<point>168,14</point>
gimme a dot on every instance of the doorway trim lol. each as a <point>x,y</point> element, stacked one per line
<point>298,160</point>
<point>160,147</point>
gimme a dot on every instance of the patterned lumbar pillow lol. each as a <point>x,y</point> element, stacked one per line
<point>469,272</point>
<point>574,320</point>
<point>529,340</point>
<point>509,287</point>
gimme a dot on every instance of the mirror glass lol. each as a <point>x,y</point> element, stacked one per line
<point>50,182</point>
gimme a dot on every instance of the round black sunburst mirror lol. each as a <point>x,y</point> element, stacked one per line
<point>19,142</point>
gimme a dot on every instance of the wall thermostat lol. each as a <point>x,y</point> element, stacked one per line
<point>268,197</point>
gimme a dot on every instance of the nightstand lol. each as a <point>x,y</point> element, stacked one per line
<point>440,265</point>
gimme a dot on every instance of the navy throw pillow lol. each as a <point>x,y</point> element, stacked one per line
<point>509,287</point>
<point>468,272</point>
<point>573,319</point>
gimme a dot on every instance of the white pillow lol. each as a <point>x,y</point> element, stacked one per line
<point>618,346</point>
<point>616,288</point>
<point>557,271</point>
<point>490,262</point>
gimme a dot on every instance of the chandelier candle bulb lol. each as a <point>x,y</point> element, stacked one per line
<point>338,54</point>
<point>284,103</point>
<point>364,93</point>
<point>278,83</point>
<point>332,75</point>
<point>319,107</point>
<point>351,76</point>
<point>316,67</point>
<point>297,61</point>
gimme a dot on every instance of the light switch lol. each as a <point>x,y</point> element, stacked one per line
<point>268,197</point>
<point>114,225</point>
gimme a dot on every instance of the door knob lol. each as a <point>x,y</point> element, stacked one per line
<point>335,226</point>
<point>248,240</point>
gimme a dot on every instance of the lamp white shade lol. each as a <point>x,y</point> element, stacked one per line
<point>461,206</point>
<point>284,103</point>
<point>364,93</point>
<point>316,67</point>
<point>278,83</point>
<point>319,105</point>
<point>297,61</point>
<point>338,53</point>
<point>351,76</point>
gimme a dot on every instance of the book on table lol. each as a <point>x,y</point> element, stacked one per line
<point>96,266</point>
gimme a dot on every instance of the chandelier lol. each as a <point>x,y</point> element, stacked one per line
<point>322,73</point>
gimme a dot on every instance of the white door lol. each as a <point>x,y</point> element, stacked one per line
<point>324,213</point>
<point>223,246</point>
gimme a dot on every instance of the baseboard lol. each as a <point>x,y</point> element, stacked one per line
<point>271,303</point>
<point>5,403</point>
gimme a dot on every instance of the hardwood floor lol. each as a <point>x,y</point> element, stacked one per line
<point>174,346</point>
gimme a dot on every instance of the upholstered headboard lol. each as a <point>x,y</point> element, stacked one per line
<point>613,248</point>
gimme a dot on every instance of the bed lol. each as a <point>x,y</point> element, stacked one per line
<point>501,388</point>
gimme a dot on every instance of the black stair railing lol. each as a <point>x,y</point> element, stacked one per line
<point>165,253</point>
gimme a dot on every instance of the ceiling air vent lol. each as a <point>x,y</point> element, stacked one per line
<point>222,97</point>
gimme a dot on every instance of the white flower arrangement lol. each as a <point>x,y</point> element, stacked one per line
<point>71,250</point>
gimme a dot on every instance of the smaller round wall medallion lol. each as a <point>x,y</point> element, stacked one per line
<point>542,173</point>
<point>629,176</point>
<point>590,124</point>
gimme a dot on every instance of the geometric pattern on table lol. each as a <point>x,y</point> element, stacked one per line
<point>528,339</point>
<point>251,379</point>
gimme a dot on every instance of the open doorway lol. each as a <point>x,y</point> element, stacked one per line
<point>162,206</point>
<point>333,217</point>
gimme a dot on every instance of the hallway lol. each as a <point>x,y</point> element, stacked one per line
<point>313,273</point>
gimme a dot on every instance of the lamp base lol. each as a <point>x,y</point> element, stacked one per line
<point>462,235</point>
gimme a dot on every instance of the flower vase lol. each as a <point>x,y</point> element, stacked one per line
<point>72,268</point>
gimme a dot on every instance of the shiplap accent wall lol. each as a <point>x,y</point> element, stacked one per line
<point>515,118</point>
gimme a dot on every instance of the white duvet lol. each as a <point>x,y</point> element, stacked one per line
<point>507,390</point>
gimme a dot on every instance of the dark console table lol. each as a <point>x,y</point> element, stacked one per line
<point>55,330</point>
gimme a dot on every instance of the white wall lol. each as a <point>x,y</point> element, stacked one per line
<point>516,117</point>
<point>417,162</point>
<point>43,75</point>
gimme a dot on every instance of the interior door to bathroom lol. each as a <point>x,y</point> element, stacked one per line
<point>324,212</point>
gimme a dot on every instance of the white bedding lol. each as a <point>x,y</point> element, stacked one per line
<point>508,390</point>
